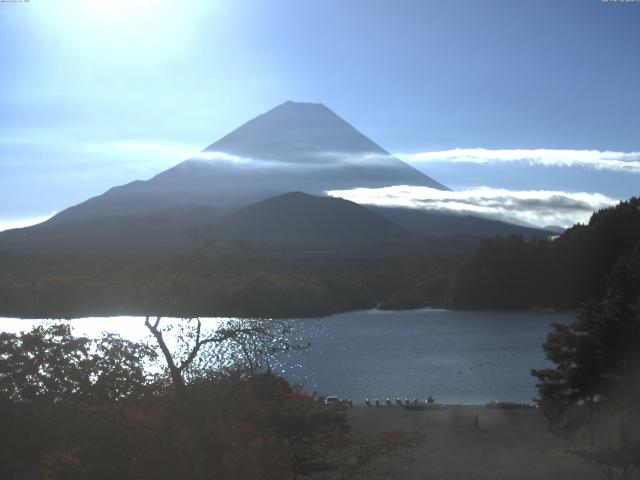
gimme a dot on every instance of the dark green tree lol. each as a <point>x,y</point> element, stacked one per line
<point>596,358</point>
<point>595,382</point>
<point>49,365</point>
<point>48,376</point>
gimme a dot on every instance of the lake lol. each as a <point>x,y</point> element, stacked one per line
<point>457,357</point>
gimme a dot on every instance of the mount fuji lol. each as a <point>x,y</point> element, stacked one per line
<point>293,147</point>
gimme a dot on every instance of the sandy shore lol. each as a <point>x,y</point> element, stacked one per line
<point>510,444</point>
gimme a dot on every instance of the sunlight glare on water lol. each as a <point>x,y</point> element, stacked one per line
<point>458,357</point>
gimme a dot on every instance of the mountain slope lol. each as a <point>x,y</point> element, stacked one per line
<point>295,146</point>
<point>440,224</point>
<point>146,235</point>
<point>313,138</point>
<point>300,219</point>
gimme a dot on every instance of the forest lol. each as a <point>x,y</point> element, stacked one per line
<point>220,277</point>
<point>592,391</point>
<point>511,273</point>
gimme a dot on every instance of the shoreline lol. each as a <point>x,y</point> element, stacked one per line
<point>400,311</point>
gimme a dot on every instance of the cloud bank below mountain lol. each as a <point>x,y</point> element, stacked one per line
<point>536,207</point>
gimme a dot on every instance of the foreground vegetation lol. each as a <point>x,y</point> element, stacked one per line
<point>77,408</point>
<point>593,390</point>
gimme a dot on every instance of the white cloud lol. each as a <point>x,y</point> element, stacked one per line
<point>625,162</point>
<point>628,162</point>
<point>23,222</point>
<point>207,156</point>
<point>537,207</point>
<point>311,159</point>
<point>357,158</point>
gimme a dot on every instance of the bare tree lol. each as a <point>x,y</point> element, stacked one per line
<point>248,342</point>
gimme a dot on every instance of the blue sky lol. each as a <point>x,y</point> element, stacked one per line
<point>96,93</point>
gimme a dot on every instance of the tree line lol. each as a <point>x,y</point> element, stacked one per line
<point>592,391</point>
<point>511,273</point>
<point>219,285</point>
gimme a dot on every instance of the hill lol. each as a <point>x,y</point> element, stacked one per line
<point>512,273</point>
<point>306,221</point>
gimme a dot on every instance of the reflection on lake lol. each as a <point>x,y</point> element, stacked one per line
<point>458,357</point>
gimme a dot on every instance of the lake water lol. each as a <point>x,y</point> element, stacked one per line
<point>457,357</point>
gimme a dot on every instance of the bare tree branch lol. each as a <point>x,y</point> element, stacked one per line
<point>256,340</point>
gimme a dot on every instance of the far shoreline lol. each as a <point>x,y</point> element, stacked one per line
<point>267,316</point>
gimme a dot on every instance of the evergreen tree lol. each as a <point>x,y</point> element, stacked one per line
<point>597,359</point>
<point>562,273</point>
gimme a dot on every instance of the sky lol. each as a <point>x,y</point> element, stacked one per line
<point>517,100</point>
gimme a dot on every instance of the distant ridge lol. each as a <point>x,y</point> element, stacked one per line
<point>291,220</point>
<point>448,224</point>
<point>300,218</point>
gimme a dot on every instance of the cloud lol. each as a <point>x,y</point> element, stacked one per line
<point>626,162</point>
<point>537,207</point>
<point>209,156</point>
<point>23,222</point>
<point>307,160</point>
<point>357,158</point>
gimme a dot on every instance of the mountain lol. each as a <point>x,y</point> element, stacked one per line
<point>299,219</point>
<point>312,138</point>
<point>145,246</point>
<point>149,234</point>
<point>294,220</point>
<point>302,147</point>
<point>293,147</point>
<point>555,229</point>
<point>440,224</point>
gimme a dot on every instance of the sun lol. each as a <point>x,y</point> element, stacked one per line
<point>120,6</point>
<point>116,34</point>
<point>116,28</point>
<point>122,11</point>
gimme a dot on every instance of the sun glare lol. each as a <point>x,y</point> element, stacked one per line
<point>118,29</point>
<point>120,8</point>
<point>140,14</point>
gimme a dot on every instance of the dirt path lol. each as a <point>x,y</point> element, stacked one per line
<point>510,444</point>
